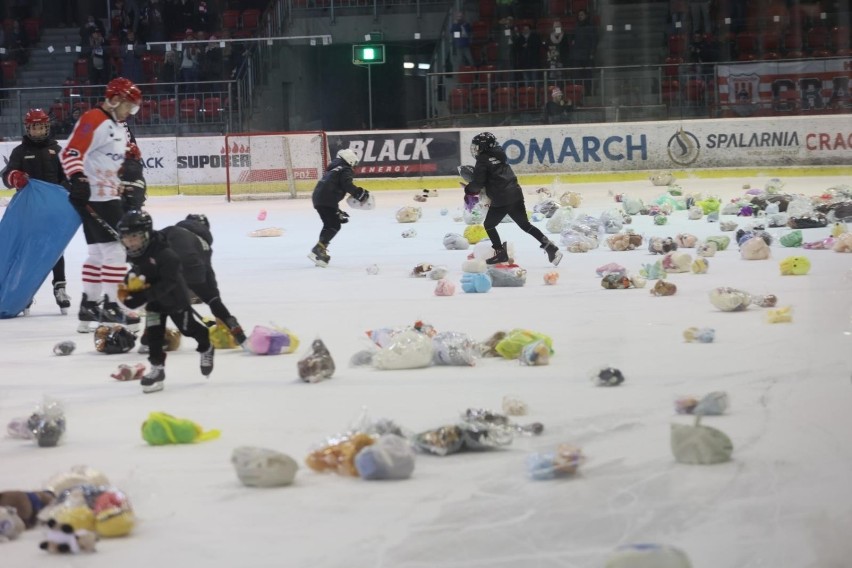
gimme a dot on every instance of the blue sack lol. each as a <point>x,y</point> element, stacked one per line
<point>35,229</point>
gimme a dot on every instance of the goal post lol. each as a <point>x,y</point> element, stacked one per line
<point>274,165</point>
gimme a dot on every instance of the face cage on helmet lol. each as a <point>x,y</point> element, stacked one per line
<point>138,250</point>
<point>46,134</point>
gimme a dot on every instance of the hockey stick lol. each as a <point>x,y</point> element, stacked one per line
<point>102,222</point>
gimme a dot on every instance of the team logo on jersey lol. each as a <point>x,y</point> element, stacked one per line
<point>683,148</point>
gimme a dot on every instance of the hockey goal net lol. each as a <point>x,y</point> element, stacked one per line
<point>274,165</point>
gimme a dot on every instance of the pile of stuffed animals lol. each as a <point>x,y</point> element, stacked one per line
<point>76,507</point>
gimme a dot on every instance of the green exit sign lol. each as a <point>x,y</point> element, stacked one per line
<point>368,54</point>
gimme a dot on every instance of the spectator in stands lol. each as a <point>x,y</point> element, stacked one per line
<point>124,15</point>
<point>98,71</point>
<point>152,22</point>
<point>211,62</point>
<point>204,19</point>
<point>189,63</point>
<point>92,25</point>
<point>18,43</point>
<point>505,54</point>
<point>169,71</point>
<point>461,32</point>
<point>699,10</point>
<point>558,109</point>
<point>581,52</point>
<point>553,62</point>
<point>702,51</point>
<point>527,49</point>
<point>557,49</point>
<point>185,13</point>
<point>131,54</point>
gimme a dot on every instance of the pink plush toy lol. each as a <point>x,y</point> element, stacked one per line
<point>445,287</point>
<point>551,278</point>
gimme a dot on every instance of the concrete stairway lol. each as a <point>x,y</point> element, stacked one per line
<point>47,69</point>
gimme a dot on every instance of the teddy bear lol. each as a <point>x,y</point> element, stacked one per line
<point>28,504</point>
<point>11,525</point>
<point>63,539</point>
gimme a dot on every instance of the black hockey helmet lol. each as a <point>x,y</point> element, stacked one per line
<point>199,218</point>
<point>481,142</point>
<point>135,223</point>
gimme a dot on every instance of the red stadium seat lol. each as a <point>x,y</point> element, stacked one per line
<point>10,72</point>
<point>575,93</point>
<point>167,109</point>
<point>250,19</point>
<point>505,98</point>
<point>231,19</point>
<point>479,100</point>
<point>459,100</point>
<point>147,109</point>
<point>60,111</point>
<point>527,98</point>
<point>81,69</point>
<point>188,109</point>
<point>211,108</point>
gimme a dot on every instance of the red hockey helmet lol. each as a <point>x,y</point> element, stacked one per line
<point>37,124</point>
<point>124,88</point>
<point>133,152</point>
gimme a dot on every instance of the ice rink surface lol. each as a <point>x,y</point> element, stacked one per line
<point>784,501</point>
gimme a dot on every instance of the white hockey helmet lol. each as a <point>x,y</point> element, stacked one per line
<point>348,155</point>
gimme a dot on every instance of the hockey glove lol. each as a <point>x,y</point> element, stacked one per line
<point>361,194</point>
<point>18,179</point>
<point>80,191</point>
<point>343,216</point>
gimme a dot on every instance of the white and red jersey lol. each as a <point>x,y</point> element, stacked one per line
<point>96,150</point>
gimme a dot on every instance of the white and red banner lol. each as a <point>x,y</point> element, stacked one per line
<point>787,85</point>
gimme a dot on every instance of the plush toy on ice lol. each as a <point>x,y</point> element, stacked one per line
<point>63,539</point>
<point>317,365</point>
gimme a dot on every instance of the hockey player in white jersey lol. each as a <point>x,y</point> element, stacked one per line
<point>91,159</point>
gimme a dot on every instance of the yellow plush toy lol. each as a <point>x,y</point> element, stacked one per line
<point>220,336</point>
<point>795,266</point>
<point>475,233</point>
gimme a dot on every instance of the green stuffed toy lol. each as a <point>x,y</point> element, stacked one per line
<point>161,429</point>
<point>792,239</point>
<point>510,347</point>
<point>720,241</point>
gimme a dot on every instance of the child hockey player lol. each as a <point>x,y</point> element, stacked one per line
<point>330,190</point>
<point>37,157</point>
<point>192,241</point>
<point>156,280</point>
<point>494,176</point>
<point>89,161</point>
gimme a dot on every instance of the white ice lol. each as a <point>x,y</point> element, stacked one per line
<point>784,500</point>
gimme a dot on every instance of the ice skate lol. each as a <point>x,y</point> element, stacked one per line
<point>207,361</point>
<point>554,255</point>
<point>319,254</point>
<point>111,312</point>
<point>153,380</point>
<point>88,314</point>
<point>501,255</point>
<point>26,311</point>
<point>63,300</point>
<point>236,330</point>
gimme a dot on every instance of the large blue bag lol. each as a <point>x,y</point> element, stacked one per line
<point>35,229</point>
